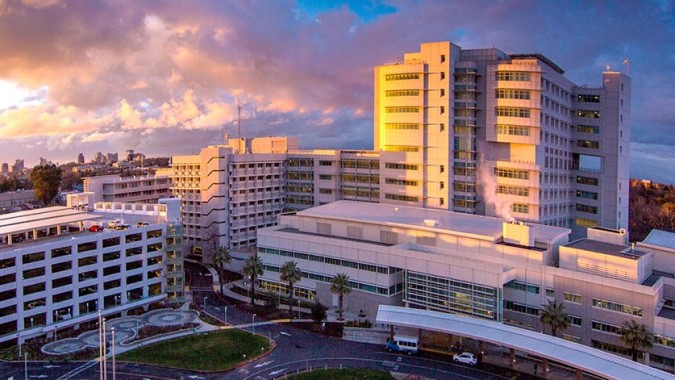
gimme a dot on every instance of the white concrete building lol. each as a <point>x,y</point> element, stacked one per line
<point>128,189</point>
<point>479,266</point>
<point>485,132</point>
<point>56,272</point>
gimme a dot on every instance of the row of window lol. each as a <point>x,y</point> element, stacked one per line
<point>512,173</point>
<point>593,129</point>
<point>400,166</point>
<point>514,190</point>
<point>520,308</point>
<point>400,182</point>
<point>400,197</point>
<point>402,126</point>
<point>401,148</point>
<point>360,164</point>
<point>512,76</point>
<point>361,178</point>
<point>330,260</point>
<point>513,130</point>
<point>517,285</point>
<point>402,93</point>
<point>588,98</point>
<point>404,76</point>
<point>615,306</point>
<point>588,144</point>
<point>587,209</point>
<point>520,208</point>
<point>301,162</point>
<point>605,327</point>
<point>512,94</point>
<point>587,181</point>
<point>572,297</point>
<point>402,109</point>
<point>588,114</point>
<point>512,112</point>
<point>587,194</point>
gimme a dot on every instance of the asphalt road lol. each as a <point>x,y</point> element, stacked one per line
<point>296,350</point>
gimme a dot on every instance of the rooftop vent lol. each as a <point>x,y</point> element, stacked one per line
<point>518,233</point>
<point>430,222</point>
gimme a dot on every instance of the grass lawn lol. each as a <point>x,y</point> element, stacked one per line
<point>343,374</point>
<point>214,351</point>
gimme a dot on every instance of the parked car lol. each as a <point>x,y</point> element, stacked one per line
<point>466,358</point>
<point>96,228</point>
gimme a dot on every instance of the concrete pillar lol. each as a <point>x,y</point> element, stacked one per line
<point>646,358</point>
<point>9,239</point>
<point>512,355</point>
<point>391,332</point>
<point>58,230</point>
<point>579,374</point>
<point>35,233</point>
<point>544,363</point>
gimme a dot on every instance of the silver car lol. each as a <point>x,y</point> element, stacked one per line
<point>466,358</point>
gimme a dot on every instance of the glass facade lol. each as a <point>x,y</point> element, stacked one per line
<point>452,296</point>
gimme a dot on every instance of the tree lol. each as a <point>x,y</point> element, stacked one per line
<point>46,181</point>
<point>253,267</point>
<point>318,312</point>
<point>221,256</point>
<point>555,317</point>
<point>340,286</point>
<point>290,273</point>
<point>636,337</point>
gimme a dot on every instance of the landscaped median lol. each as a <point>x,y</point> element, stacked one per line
<point>212,351</point>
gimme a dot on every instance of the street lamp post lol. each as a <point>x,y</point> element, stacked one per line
<point>25,365</point>
<point>113,351</point>
<point>205,298</point>
<point>105,353</point>
<point>100,345</point>
<point>225,314</point>
<point>253,323</point>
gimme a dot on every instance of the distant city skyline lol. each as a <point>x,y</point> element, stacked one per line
<point>165,79</point>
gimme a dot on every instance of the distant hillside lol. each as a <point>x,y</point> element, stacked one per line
<point>652,205</point>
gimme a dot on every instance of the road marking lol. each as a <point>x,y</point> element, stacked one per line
<point>388,363</point>
<point>263,364</point>
<point>274,373</point>
<point>399,359</point>
<point>284,333</point>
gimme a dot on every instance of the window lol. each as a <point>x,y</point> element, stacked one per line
<point>58,252</point>
<point>398,197</point>
<point>401,148</point>
<point>605,327</point>
<point>111,270</point>
<point>587,209</point>
<point>520,308</point>
<point>63,281</point>
<point>520,208</point>
<point>111,256</point>
<point>588,114</point>
<point>134,279</point>
<point>86,275</point>
<point>572,297</point>
<point>512,112</point>
<point>615,306</point>
<point>588,129</point>
<point>33,257</point>
<point>154,234</point>
<point>65,296</point>
<point>512,94</point>
<point>32,273</point>
<point>133,237</point>
<point>589,144</point>
<point>512,76</point>
<point>30,289</point>
<point>517,285</point>
<point>587,194</point>
<point>84,247</point>
<point>83,262</point>
<point>576,321</point>
<point>513,190</point>
<point>111,242</point>
<point>400,182</point>
<point>88,290</point>
<point>325,177</point>
<point>402,93</point>
<point>325,163</point>
<point>405,76</point>
<point>399,166</point>
<point>587,181</point>
<point>588,98</point>
<point>512,173</point>
<point>399,126</point>
<point>513,130</point>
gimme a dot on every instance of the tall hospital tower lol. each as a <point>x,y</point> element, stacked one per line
<point>485,132</point>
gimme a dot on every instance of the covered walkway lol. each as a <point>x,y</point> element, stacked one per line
<point>547,347</point>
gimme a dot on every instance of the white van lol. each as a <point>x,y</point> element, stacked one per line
<point>403,343</point>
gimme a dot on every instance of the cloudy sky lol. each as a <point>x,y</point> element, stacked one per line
<point>164,77</point>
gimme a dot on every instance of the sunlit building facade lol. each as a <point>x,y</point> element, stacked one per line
<point>485,132</point>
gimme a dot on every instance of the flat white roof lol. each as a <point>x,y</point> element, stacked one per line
<point>489,228</point>
<point>52,216</point>
<point>555,349</point>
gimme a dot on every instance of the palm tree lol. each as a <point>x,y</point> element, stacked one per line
<point>340,286</point>
<point>636,337</point>
<point>554,316</point>
<point>221,256</point>
<point>253,267</point>
<point>290,273</point>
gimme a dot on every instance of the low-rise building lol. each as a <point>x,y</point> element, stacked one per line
<point>59,266</point>
<point>479,266</point>
<point>133,189</point>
